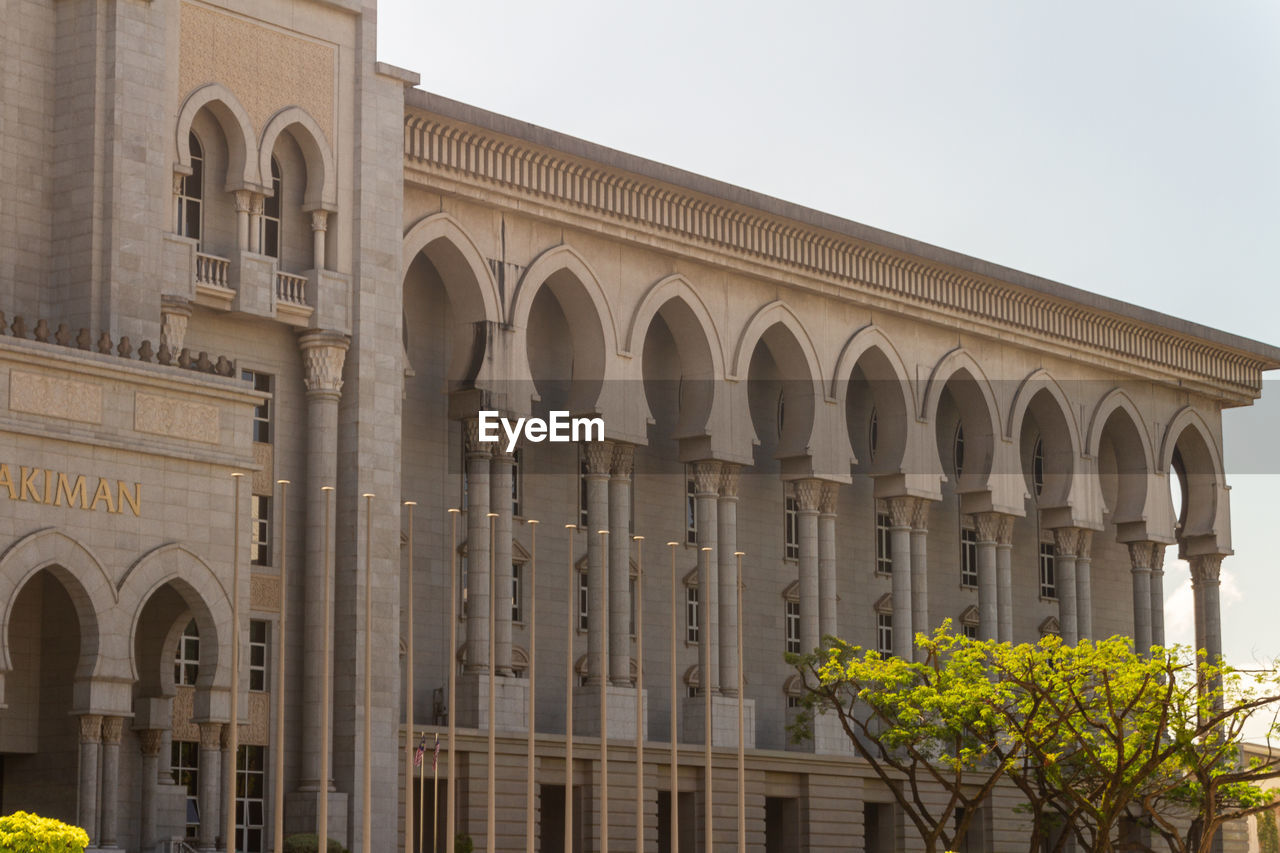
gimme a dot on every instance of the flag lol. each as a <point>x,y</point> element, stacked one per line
<point>420,750</point>
<point>435,756</point>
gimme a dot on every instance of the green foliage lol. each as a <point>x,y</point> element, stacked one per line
<point>463,844</point>
<point>1268,837</point>
<point>23,832</point>
<point>309,842</point>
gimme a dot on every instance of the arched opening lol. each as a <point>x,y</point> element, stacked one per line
<point>1193,483</point>
<point>677,372</point>
<point>565,345</point>
<point>1122,468</point>
<point>1047,451</point>
<point>780,395</point>
<point>964,426</point>
<point>207,211</point>
<point>876,414</point>
<point>285,224</point>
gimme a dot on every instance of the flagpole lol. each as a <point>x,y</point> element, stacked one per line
<point>639,603</point>
<point>366,826</point>
<point>704,682</point>
<point>604,696</point>
<point>742,769</point>
<point>450,795</point>
<point>408,700</point>
<point>533,663</point>
<point>491,826</point>
<point>326,682</point>
<point>570,619</point>
<point>422,802</point>
<point>233,734</point>
<point>435,792</point>
<point>278,793</point>
<point>674,829</point>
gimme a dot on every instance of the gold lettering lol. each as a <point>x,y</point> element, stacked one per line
<point>29,483</point>
<point>6,480</point>
<point>134,501</point>
<point>73,493</point>
<point>103,493</point>
<point>48,486</point>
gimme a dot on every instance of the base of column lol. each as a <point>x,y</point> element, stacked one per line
<point>300,814</point>
<point>622,712</point>
<point>171,810</point>
<point>510,702</point>
<point>724,721</point>
<point>829,737</point>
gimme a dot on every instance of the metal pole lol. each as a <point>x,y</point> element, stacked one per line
<point>639,604</point>
<point>604,697</point>
<point>742,754</point>
<point>408,699</point>
<point>491,802</point>
<point>704,684</point>
<point>366,825</point>
<point>674,829</point>
<point>533,659</point>
<point>570,619</point>
<point>450,795</point>
<point>233,734</point>
<point>278,772</point>
<point>326,683</point>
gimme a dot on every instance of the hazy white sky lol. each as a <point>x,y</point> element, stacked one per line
<point>1128,149</point>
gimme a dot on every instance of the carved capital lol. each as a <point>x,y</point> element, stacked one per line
<point>323,354</point>
<point>243,200</point>
<point>256,202</point>
<point>988,525</point>
<point>1067,540</point>
<point>319,220</point>
<point>730,479</point>
<point>599,458</point>
<point>827,501</point>
<point>211,735</point>
<point>151,740</point>
<point>91,728</point>
<point>1004,535</point>
<point>173,327</point>
<point>623,460</point>
<point>1085,545</point>
<point>178,180</point>
<point>1157,556</point>
<point>902,510</point>
<point>471,439</point>
<point>706,477</point>
<point>1206,569</point>
<point>112,729</point>
<point>808,494</point>
<point>1140,555</point>
<point>920,515</point>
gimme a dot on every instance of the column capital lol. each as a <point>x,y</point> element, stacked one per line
<point>323,354</point>
<point>808,494</point>
<point>1085,545</point>
<point>1140,555</point>
<point>1004,534</point>
<point>243,200</point>
<point>319,220</point>
<point>623,460</point>
<point>902,510</point>
<point>827,500</point>
<point>151,740</point>
<point>1067,540</point>
<point>1157,557</point>
<point>112,730</point>
<point>988,525</point>
<point>920,515</point>
<point>1206,569</point>
<point>730,479</point>
<point>599,456</point>
<point>211,735</point>
<point>256,203</point>
<point>91,728</point>
<point>706,477</point>
<point>475,448</point>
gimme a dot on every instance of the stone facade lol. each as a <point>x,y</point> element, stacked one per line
<point>297,266</point>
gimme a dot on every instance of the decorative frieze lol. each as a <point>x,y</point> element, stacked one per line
<point>176,418</point>
<point>55,397</point>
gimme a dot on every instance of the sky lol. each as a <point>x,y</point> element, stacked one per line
<point>1128,149</point>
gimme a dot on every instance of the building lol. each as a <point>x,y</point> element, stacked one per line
<point>232,241</point>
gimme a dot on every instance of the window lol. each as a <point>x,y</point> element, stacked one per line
<point>884,544</point>
<point>464,480</point>
<point>186,663</point>
<point>791,528</point>
<point>691,614</point>
<point>269,222</point>
<point>793,689</point>
<point>1037,468</point>
<point>957,450</point>
<point>184,763</point>
<point>1048,577</point>
<point>191,193</point>
<point>873,433</point>
<point>251,786</point>
<point>582,494</point>
<point>884,633</point>
<point>260,531</point>
<point>969,622</point>
<point>793,627</point>
<point>262,411</point>
<point>584,602</point>
<point>690,511</point>
<point>782,410</point>
<point>968,556</point>
<point>970,631</point>
<point>517,594</point>
<point>517,485</point>
<point>257,655</point>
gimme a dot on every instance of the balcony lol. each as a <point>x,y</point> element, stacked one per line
<point>291,298</point>
<point>213,280</point>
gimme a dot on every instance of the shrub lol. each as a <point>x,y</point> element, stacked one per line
<point>309,842</point>
<point>23,832</point>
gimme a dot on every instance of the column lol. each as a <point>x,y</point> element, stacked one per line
<point>920,568</point>
<point>901,514</point>
<point>1004,580</point>
<point>620,565</point>
<point>243,201</point>
<point>1157,594</point>
<point>988,524</point>
<point>827,595</point>
<point>1206,570</point>
<point>706,489</point>
<point>599,457</point>
<point>1066,541</point>
<point>319,225</point>
<point>210,784</point>
<point>501,471</point>
<point>478,494</point>
<point>323,354</point>
<point>150,740</point>
<point>1084,587</point>
<point>255,222</point>
<point>1140,559</point>
<point>727,514</point>
<point>112,729</point>
<point>808,498</point>
<point>90,751</point>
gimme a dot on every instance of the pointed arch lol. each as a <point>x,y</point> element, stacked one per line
<point>948,366</point>
<point>226,109</point>
<point>321,192</point>
<point>1036,381</point>
<point>1117,398</point>
<point>773,314</point>
<point>871,337</point>
<point>1188,418</point>
<point>564,258</point>
<point>663,291</point>
<point>427,231</point>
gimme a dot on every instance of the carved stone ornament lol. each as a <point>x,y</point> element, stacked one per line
<point>1067,540</point>
<point>920,516</point>
<point>1206,569</point>
<point>1086,545</point>
<point>827,501</point>
<point>471,439</point>
<point>211,735</point>
<point>91,728</point>
<point>323,354</point>
<point>902,510</point>
<point>730,480</point>
<point>112,729</point>
<point>808,494</point>
<point>623,460</point>
<point>988,525</point>
<point>319,220</point>
<point>1140,555</point>
<point>599,456</point>
<point>150,741</point>
<point>706,477</point>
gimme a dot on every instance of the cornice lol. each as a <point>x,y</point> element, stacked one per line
<point>854,257</point>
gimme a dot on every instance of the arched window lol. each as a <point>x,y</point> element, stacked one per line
<point>269,223</point>
<point>186,661</point>
<point>957,449</point>
<point>1037,467</point>
<point>191,195</point>
<point>782,410</point>
<point>873,433</point>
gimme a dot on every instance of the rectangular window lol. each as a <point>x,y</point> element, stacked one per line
<point>251,787</point>
<point>884,633</point>
<point>691,614</point>
<point>584,602</point>
<point>1048,577</point>
<point>269,221</point>
<point>690,511</point>
<point>884,544</point>
<point>968,557</point>
<point>582,495</point>
<point>191,192</point>
<point>184,761</point>
<point>793,627</point>
<point>257,655</point>
<point>791,528</point>
<point>517,485</point>
<point>186,662</point>
<point>262,411</point>
<point>517,595</point>
<point>970,631</point>
<point>260,531</point>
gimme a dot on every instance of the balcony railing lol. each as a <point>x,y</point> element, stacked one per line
<point>291,289</point>
<point>212,271</point>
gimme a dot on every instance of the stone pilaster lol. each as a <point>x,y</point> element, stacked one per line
<point>920,568</point>
<point>827,594</point>
<point>478,563</point>
<point>808,498</point>
<point>706,487</point>
<point>902,512</point>
<point>1004,580</point>
<point>1140,560</point>
<point>1066,542</point>
<point>112,730</point>
<point>599,456</point>
<point>1084,585</point>
<point>620,565</point>
<point>210,801</point>
<point>988,527</point>
<point>90,756</point>
<point>727,515</point>
<point>501,472</point>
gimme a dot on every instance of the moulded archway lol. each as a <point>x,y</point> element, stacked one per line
<point>957,380</point>
<point>1190,452</point>
<point>680,356</point>
<point>321,191</point>
<point>879,406</point>
<point>1042,424</point>
<point>242,166</point>
<point>1118,442</point>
